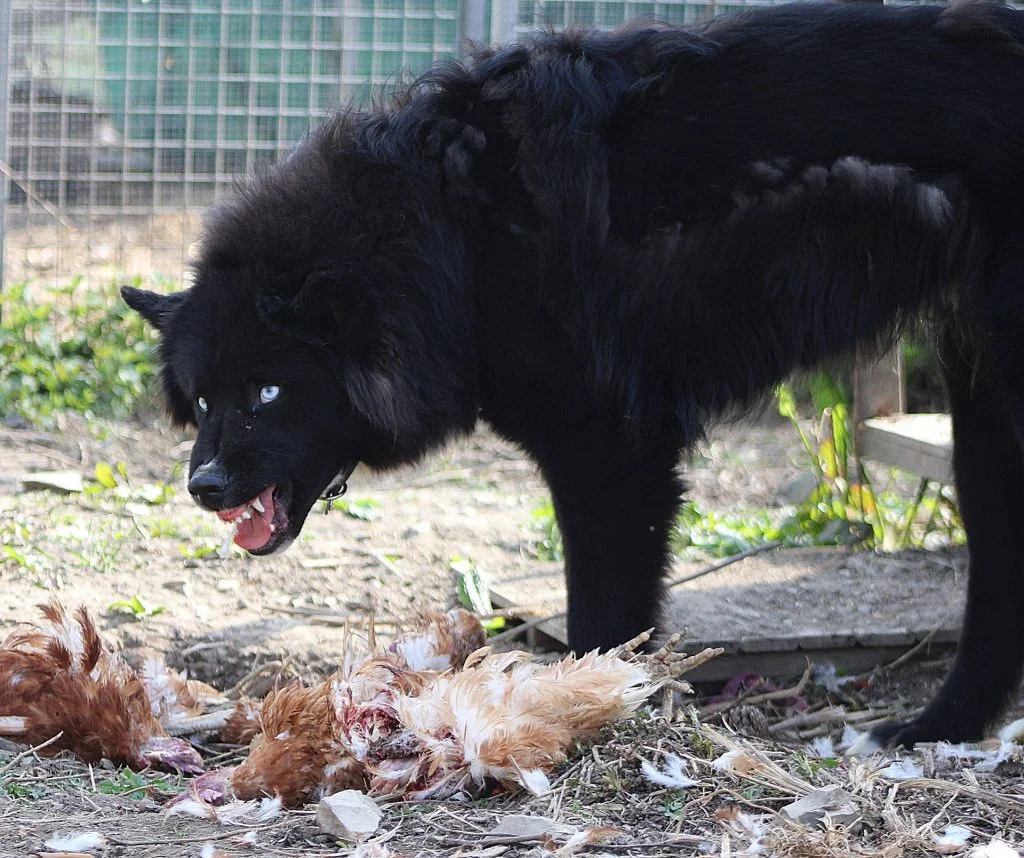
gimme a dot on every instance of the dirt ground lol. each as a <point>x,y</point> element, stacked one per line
<point>222,616</point>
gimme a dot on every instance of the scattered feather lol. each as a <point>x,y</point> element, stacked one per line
<point>849,738</point>
<point>1012,732</point>
<point>672,776</point>
<point>534,781</point>
<point>953,838</point>
<point>822,747</point>
<point>994,849</point>
<point>82,841</point>
<point>737,761</point>
<point>864,746</point>
<point>902,770</point>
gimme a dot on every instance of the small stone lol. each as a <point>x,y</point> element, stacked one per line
<point>348,815</point>
<point>227,585</point>
<point>421,528</point>
<point>829,805</point>
<point>63,482</point>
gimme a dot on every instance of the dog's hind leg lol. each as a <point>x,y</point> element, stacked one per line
<point>615,500</point>
<point>986,392</point>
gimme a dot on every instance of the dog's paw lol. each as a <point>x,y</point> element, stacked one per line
<point>892,734</point>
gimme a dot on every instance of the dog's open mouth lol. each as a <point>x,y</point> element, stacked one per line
<point>258,521</point>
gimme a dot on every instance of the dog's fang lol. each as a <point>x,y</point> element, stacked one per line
<point>256,505</point>
<point>247,514</point>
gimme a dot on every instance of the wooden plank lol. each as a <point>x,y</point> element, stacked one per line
<point>919,443</point>
<point>878,387</point>
<point>774,613</point>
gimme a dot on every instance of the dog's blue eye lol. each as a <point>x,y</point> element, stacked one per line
<point>269,393</point>
<point>201,402</point>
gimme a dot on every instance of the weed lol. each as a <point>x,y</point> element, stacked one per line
<point>364,509</point>
<point>74,349</point>
<point>674,806</point>
<point>127,782</point>
<point>810,767</point>
<point>13,789</point>
<point>473,593</point>
<point>113,481</point>
<point>845,507</point>
<point>550,546</point>
<point>135,607</point>
<point>192,553</point>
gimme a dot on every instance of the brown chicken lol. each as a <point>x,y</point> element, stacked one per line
<point>59,678</point>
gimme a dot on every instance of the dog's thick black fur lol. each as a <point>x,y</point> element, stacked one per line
<point>599,242</point>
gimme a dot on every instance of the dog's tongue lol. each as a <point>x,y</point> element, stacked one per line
<point>255,532</point>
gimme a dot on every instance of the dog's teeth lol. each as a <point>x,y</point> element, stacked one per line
<point>247,514</point>
<point>256,505</point>
<point>273,527</point>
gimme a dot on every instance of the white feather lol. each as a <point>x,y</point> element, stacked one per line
<point>822,747</point>
<point>954,837</point>
<point>994,849</point>
<point>672,777</point>
<point>727,762</point>
<point>1012,732</point>
<point>192,807</point>
<point>864,746</point>
<point>902,770</point>
<point>82,841</point>
<point>534,781</point>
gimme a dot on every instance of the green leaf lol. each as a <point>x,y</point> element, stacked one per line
<point>105,475</point>
<point>786,401</point>
<point>472,591</point>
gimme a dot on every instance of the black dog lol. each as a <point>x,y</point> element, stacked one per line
<point>599,242</point>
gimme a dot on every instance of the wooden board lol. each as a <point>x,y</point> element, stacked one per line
<point>919,443</point>
<point>774,613</point>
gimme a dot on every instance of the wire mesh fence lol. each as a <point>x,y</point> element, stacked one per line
<point>125,118</point>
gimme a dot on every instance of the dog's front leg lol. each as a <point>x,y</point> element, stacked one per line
<point>615,500</point>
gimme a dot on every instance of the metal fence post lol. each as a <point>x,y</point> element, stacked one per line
<point>5,39</point>
<point>473,18</point>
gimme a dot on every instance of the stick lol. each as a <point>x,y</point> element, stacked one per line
<point>515,632</point>
<point>29,751</point>
<point>728,561</point>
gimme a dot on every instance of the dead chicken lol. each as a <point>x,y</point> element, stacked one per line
<point>59,678</point>
<point>489,720</point>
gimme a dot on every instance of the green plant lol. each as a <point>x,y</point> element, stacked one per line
<point>845,507</point>
<point>550,545</point>
<point>72,348</point>
<point>365,509</point>
<point>127,782</point>
<point>113,480</point>
<point>810,767</point>
<point>135,607</point>
<point>473,593</point>
<point>674,806</point>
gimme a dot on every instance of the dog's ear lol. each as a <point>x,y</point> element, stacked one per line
<point>155,309</point>
<point>330,307</point>
<point>455,145</point>
<point>338,312</point>
<point>672,64</point>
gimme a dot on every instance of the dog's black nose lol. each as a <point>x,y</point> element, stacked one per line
<point>208,483</point>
